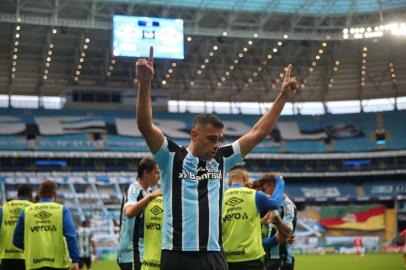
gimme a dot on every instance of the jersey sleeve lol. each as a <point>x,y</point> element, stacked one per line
<point>163,157</point>
<point>231,154</point>
<point>289,213</point>
<point>133,193</point>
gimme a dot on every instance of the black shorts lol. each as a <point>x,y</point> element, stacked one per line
<point>273,264</point>
<point>193,260</point>
<point>12,264</point>
<point>288,266</point>
<point>277,264</point>
<point>85,261</point>
<point>130,266</point>
<point>251,265</point>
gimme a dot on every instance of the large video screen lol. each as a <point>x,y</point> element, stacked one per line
<point>132,36</point>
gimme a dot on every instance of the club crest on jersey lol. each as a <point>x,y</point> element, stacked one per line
<point>192,176</point>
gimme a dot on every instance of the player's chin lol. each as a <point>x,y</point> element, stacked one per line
<point>210,155</point>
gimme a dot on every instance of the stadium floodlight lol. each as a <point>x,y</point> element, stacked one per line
<point>395,29</point>
<point>392,72</point>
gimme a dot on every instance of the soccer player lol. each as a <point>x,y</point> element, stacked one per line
<point>358,245</point>
<point>153,218</point>
<point>277,244</point>
<point>192,177</point>
<point>135,199</point>
<point>403,234</point>
<point>241,220</point>
<point>87,246</point>
<point>12,258</point>
<point>44,230</point>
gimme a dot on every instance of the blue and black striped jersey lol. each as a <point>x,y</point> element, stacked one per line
<point>193,196</point>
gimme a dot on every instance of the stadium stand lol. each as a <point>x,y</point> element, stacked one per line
<point>71,131</point>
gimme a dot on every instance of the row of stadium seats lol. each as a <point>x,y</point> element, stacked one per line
<point>78,130</point>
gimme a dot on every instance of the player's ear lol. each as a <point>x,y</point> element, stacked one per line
<point>194,134</point>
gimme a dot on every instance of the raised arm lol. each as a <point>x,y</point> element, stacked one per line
<point>152,134</point>
<point>267,122</point>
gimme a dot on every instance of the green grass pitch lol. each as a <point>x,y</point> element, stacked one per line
<point>323,262</point>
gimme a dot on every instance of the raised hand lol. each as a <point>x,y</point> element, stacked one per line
<point>145,68</point>
<point>289,85</point>
<point>156,193</point>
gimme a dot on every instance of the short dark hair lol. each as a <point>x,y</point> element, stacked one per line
<point>24,190</point>
<point>47,189</point>
<point>147,163</point>
<point>208,119</point>
<point>268,178</point>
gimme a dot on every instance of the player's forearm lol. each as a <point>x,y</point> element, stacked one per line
<point>133,209</point>
<point>144,106</point>
<point>94,248</point>
<point>266,123</point>
<point>284,229</point>
<point>277,194</point>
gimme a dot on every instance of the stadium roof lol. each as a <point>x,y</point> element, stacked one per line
<point>253,44</point>
<point>310,7</point>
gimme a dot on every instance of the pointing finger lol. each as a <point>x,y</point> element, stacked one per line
<point>151,55</point>
<point>287,75</point>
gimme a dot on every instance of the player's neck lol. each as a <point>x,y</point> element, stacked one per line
<point>143,183</point>
<point>192,149</point>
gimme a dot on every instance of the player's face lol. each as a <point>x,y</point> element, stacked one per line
<point>207,140</point>
<point>268,188</point>
<point>153,176</point>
